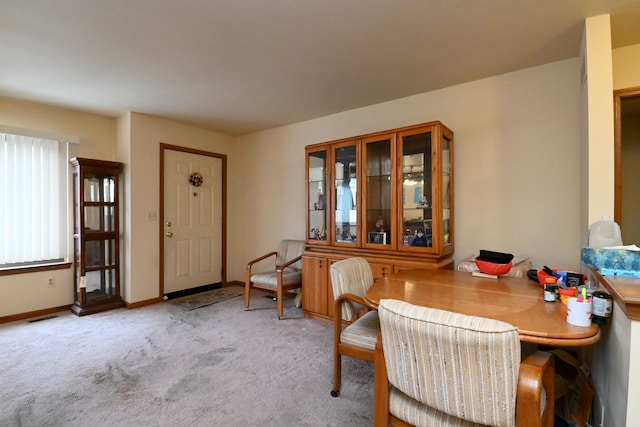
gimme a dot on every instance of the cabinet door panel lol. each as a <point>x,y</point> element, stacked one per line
<point>317,203</point>
<point>446,166</point>
<point>419,190</point>
<point>345,200</point>
<point>314,285</point>
<point>378,213</point>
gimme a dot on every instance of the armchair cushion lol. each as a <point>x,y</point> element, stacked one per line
<point>363,332</point>
<point>419,414</point>
<point>270,278</point>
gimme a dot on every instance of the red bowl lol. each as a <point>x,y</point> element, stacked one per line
<point>493,268</point>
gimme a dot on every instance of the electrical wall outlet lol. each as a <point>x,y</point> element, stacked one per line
<point>51,282</point>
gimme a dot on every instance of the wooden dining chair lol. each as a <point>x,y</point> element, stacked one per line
<point>350,279</point>
<point>285,274</point>
<point>438,368</point>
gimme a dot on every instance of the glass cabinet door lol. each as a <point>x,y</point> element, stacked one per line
<point>346,194</point>
<point>317,203</point>
<point>378,213</point>
<point>418,189</point>
<point>446,161</point>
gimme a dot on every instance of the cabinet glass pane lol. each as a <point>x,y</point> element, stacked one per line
<point>417,198</point>
<point>101,283</point>
<point>346,194</point>
<point>318,195</point>
<point>100,253</point>
<point>99,188</point>
<point>446,190</point>
<point>99,218</point>
<point>378,210</point>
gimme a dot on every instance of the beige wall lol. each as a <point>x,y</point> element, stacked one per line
<point>626,63</point>
<point>599,118</point>
<point>517,173</point>
<point>615,367</point>
<point>29,292</point>
<point>626,74</point>
<point>133,139</point>
<point>141,262</point>
<point>519,138</point>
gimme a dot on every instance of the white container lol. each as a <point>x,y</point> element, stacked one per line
<point>578,313</point>
<point>604,233</point>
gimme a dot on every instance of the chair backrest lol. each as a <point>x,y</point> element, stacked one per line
<point>351,276</point>
<point>464,366</point>
<point>288,250</point>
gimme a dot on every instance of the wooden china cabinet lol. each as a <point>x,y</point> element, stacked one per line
<point>96,235</point>
<point>385,196</point>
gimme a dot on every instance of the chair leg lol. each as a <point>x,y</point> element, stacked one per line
<point>337,375</point>
<point>337,358</point>
<point>247,295</point>
<point>280,302</point>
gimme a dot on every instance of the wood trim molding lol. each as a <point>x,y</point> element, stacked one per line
<point>144,303</point>
<point>618,95</point>
<point>35,268</point>
<point>33,314</point>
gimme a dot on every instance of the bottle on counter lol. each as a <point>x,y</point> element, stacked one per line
<point>602,307</point>
<point>550,289</point>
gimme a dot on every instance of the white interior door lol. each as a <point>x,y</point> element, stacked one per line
<point>192,221</point>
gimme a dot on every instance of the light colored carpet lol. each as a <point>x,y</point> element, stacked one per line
<point>162,365</point>
<point>203,299</point>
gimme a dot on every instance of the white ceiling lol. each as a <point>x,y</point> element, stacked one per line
<point>240,66</point>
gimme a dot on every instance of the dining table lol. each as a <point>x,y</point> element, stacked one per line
<point>518,301</point>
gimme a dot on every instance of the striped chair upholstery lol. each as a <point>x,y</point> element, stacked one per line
<point>285,275</point>
<point>351,276</point>
<point>350,279</point>
<point>448,369</point>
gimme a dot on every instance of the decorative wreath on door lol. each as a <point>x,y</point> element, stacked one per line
<point>195,179</point>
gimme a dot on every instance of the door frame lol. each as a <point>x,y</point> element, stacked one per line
<point>223,157</point>
<point>618,95</point>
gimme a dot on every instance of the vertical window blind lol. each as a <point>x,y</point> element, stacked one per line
<point>33,200</point>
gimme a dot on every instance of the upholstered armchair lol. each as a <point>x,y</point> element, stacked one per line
<point>350,279</point>
<point>437,368</point>
<point>285,275</point>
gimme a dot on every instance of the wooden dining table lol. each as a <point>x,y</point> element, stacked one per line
<point>515,300</point>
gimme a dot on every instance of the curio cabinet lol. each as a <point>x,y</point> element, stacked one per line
<point>385,196</point>
<point>96,235</point>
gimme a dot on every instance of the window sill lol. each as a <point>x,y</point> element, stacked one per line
<point>34,268</point>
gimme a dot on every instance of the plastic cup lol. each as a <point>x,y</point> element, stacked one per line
<point>579,313</point>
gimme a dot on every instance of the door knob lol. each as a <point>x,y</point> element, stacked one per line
<point>169,234</point>
<point>168,223</point>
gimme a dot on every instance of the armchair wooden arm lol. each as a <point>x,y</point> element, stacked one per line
<point>337,318</point>
<point>265,256</point>
<point>536,374</point>
<point>248,275</point>
<point>280,268</point>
